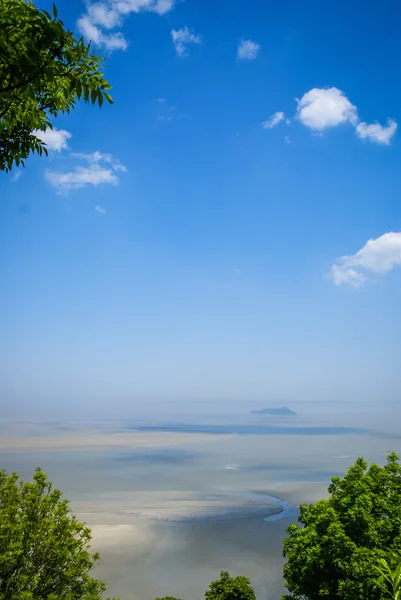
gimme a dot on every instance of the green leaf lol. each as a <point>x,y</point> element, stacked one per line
<point>34,517</point>
<point>44,70</point>
<point>340,544</point>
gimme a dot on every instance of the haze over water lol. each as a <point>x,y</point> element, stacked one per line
<point>176,498</point>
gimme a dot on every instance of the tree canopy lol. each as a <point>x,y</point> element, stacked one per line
<point>230,588</point>
<point>334,553</point>
<point>44,71</point>
<point>44,550</point>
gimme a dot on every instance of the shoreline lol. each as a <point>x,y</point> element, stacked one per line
<point>262,506</point>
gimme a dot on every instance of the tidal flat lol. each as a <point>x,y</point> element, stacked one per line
<point>173,500</point>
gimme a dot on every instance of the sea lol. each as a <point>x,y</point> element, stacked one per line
<point>175,496</point>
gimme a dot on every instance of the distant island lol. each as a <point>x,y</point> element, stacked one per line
<point>284,410</point>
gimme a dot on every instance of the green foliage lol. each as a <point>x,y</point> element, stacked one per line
<point>390,576</point>
<point>226,588</point>
<point>230,588</point>
<point>335,553</point>
<point>44,71</point>
<point>44,549</point>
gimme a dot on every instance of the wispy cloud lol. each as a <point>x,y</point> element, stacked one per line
<point>111,41</point>
<point>100,209</point>
<point>248,50</point>
<point>100,17</point>
<point>377,256</point>
<point>182,38</point>
<point>161,7</point>
<point>273,120</point>
<point>16,176</point>
<point>55,139</point>
<point>376,132</point>
<point>168,112</point>
<point>101,170</point>
<point>96,157</point>
<point>80,177</point>
<point>342,274</point>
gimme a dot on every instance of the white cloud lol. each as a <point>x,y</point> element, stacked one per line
<point>88,29</point>
<point>55,139</point>
<point>182,38</point>
<point>163,6</point>
<point>96,157</point>
<point>101,14</point>
<point>376,132</point>
<point>100,209</point>
<point>16,176</point>
<point>94,174</point>
<point>341,274</point>
<point>322,108</point>
<point>378,256</point>
<point>112,41</point>
<point>126,7</point>
<point>80,177</point>
<point>109,14</point>
<point>273,120</point>
<point>248,50</point>
<point>117,166</point>
<point>287,139</point>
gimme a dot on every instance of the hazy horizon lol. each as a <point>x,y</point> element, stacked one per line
<point>168,410</point>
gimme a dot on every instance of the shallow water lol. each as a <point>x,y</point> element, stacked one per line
<point>131,495</point>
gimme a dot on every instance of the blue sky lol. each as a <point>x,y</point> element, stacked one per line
<point>215,238</point>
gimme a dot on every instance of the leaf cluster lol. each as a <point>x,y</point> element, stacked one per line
<point>389,570</point>
<point>44,550</point>
<point>334,550</point>
<point>230,588</point>
<point>44,70</point>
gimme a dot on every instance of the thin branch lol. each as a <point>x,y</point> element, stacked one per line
<point>4,112</point>
<point>21,84</point>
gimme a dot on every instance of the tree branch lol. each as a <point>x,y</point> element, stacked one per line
<point>20,84</point>
<point>4,112</point>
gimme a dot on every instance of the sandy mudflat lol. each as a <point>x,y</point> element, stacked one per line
<point>145,557</point>
<point>175,506</point>
<point>94,440</point>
